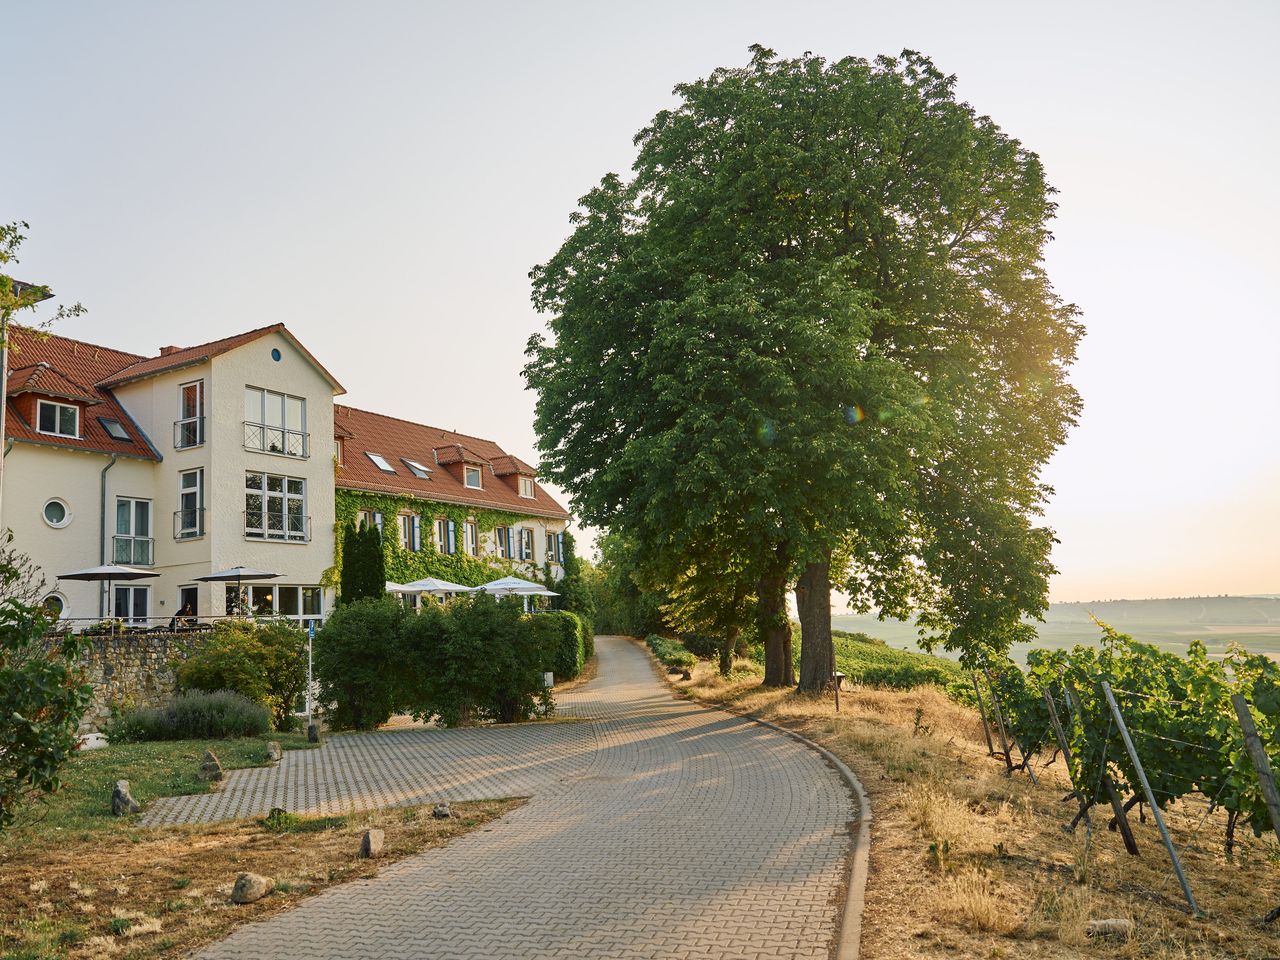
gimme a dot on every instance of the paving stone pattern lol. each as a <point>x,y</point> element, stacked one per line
<point>657,829</point>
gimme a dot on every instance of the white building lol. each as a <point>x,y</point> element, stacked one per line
<point>197,460</point>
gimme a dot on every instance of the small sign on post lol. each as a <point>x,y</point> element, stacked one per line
<point>548,679</point>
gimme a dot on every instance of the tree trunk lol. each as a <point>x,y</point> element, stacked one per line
<point>775,628</point>
<point>817,651</point>
<point>727,645</point>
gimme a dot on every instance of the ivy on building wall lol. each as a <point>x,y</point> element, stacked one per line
<point>405,566</point>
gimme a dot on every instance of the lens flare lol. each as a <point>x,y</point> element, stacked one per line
<point>767,433</point>
<point>854,414</point>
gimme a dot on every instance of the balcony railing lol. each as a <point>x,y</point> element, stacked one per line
<point>188,524</point>
<point>279,440</point>
<point>133,551</point>
<point>188,433</point>
<point>277,526</point>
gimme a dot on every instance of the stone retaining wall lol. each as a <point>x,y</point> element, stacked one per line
<point>135,669</point>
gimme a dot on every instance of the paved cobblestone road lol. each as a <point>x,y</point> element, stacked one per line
<point>657,829</point>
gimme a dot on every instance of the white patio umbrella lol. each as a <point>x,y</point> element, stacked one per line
<point>239,575</point>
<point>109,572</point>
<point>393,587</point>
<point>507,586</point>
<point>435,585</point>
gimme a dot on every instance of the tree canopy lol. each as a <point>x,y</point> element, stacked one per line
<point>814,330</point>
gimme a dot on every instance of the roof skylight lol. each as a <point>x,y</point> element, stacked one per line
<point>380,462</point>
<point>114,429</point>
<point>417,469</point>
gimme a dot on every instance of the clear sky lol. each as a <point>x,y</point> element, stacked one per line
<point>381,176</point>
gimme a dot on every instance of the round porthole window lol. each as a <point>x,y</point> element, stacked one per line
<point>275,354</point>
<point>56,513</point>
<point>54,605</point>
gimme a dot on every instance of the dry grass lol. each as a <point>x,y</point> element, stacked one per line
<point>969,862</point>
<point>161,893</point>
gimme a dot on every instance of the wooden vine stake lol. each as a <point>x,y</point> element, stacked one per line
<point>1261,764</point>
<point>982,712</point>
<point>1004,737</point>
<point>1113,795</point>
<point>1151,798</point>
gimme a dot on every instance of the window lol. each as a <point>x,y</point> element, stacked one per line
<point>417,469</point>
<point>380,462</point>
<point>275,422</point>
<point>132,544</point>
<point>300,604</point>
<point>526,488</point>
<point>526,543</point>
<point>189,601</point>
<point>56,513</point>
<point>188,431</point>
<point>275,507</point>
<point>58,419</point>
<point>337,450</point>
<point>410,531</point>
<point>54,605</point>
<point>115,430</point>
<point>366,519</point>
<point>188,521</point>
<point>550,555</point>
<point>131,604</point>
<point>502,542</point>
<point>471,536</point>
<point>471,477</point>
<point>446,536</point>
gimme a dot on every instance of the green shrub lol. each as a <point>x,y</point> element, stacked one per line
<point>266,662</point>
<point>565,641</point>
<point>193,715</point>
<point>671,653</point>
<point>701,646</point>
<point>358,663</point>
<point>479,658</point>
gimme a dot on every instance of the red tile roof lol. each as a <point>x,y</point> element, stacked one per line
<point>76,363</point>
<point>505,466</point>
<point>457,453</point>
<point>43,379</point>
<point>396,440</point>
<point>189,356</point>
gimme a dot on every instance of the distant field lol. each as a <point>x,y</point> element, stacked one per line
<point>1252,622</point>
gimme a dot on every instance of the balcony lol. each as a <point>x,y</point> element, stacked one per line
<point>291,527</point>
<point>188,433</point>
<point>188,524</point>
<point>277,440</point>
<point>133,551</point>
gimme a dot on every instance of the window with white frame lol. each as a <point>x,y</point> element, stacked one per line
<point>501,544</point>
<point>132,604</point>
<point>302,604</point>
<point>132,544</point>
<point>526,543</point>
<point>471,477</point>
<point>550,545</point>
<point>188,431</point>
<point>369,520</point>
<point>417,469</point>
<point>275,507</point>
<point>275,422</point>
<point>471,538</point>
<point>410,526</point>
<point>526,488</point>
<point>189,520</point>
<point>58,419</point>
<point>446,536</point>
<point>380,462</point>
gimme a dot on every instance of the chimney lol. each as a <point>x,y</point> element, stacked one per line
<point>165,351</point>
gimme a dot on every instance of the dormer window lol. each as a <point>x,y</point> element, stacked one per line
<point>58,419</point>
<point>380,462</point>
<point>417,469</point>
<point>337,450</point>
<point>526,487</point>
<point>471,477</point>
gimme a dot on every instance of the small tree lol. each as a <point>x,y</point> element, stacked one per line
<point>266,663</point>
<point>42,698</point>
<point>364,571</point>
<point>358,662</point>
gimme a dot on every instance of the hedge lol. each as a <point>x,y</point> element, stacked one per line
<point>194,715</point>
<point>671,653</point>
<point>565,636</point>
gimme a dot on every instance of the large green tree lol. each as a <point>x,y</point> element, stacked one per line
<point>817,307</point>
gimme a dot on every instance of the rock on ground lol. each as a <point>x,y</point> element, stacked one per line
<point>250,887</point>
<point>122,801</point>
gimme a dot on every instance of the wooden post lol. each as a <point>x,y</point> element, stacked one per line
<point>1258,754</point>
<point>1113,795</point>
<point>982,712</point>
<point>1004,738</point>
<point>1009,740</point>
<point>1065,747</point>
<point>1151,798</point>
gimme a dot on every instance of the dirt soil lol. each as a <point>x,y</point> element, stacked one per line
<point>164,892</point>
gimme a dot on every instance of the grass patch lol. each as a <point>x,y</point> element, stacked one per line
<point>158,769</point>
<point>281,821</point>
<point>91,896</point>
